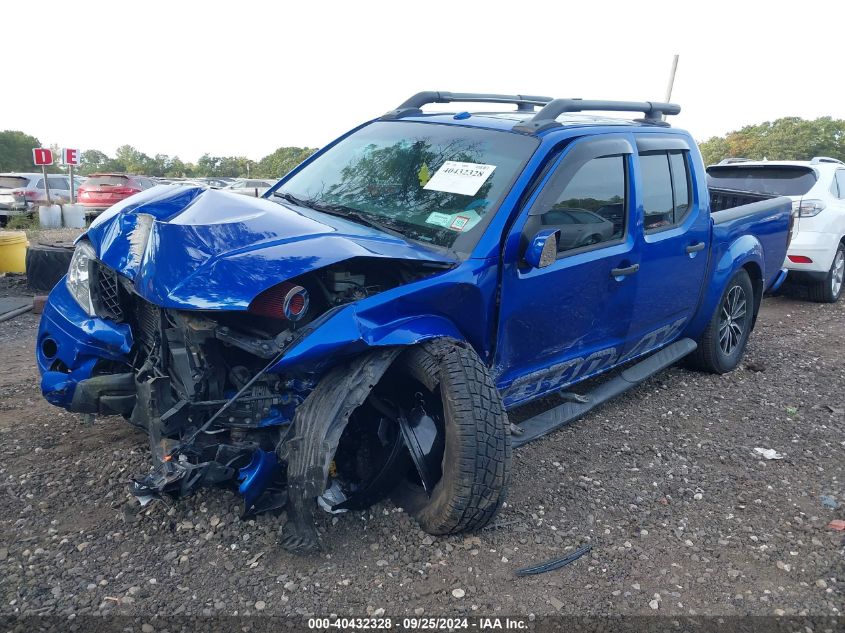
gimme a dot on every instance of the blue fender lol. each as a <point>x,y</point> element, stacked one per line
<point>743,251</point>
<point>348,332</point>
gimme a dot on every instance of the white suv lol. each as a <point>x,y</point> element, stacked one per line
<point>816,255</point>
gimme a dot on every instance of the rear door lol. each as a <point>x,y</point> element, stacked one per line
<point>674,238</point>
<point>59,188</point>
<point>570,319</point>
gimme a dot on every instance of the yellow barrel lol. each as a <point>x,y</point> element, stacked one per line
<point>13,251</point>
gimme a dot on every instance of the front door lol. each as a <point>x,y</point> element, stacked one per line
<point>570,319</point>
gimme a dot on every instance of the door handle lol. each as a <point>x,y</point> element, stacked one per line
<point>694,248</point>
<point>624,272</point>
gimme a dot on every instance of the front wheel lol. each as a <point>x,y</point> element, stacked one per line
<point>476,454</point>
<point>721,346</point>
<point>830,289</point>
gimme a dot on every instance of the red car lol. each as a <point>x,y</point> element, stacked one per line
<point>99,191</point>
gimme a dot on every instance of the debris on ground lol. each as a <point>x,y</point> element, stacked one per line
<point>829,501</point>
<point>769,453</point>
<point>555,563</point>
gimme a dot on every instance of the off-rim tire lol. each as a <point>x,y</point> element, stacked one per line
<point>723,343</point>
<point>829,290</point>
<point>46,265</point>
<point>476,460</point>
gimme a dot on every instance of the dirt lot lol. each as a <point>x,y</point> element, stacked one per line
<point>683,516</point>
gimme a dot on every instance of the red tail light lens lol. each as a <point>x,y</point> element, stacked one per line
<point>124,191</point>
<point>285,301</point>
<point>800,259</point>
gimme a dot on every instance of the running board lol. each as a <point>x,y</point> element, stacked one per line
<point>563,414</point>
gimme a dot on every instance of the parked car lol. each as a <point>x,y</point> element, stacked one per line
<point>363,330</point>
<point>19,192</point>
<point>100,191</point>
<point>816,255</point>
<point>250,186</point>
<point>579,227</point>
<point>219,182</point>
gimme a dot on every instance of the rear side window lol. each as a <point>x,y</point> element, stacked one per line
<point>775,180</point>
<point>591,209</point>
<point>13,182</point>
<point>58,183</point>
<point>840,181</point>
<point>666,189</point>
<point>106,181</point>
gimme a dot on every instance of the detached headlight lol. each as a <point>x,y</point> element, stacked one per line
<point>79,276</point>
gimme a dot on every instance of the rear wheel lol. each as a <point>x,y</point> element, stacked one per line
<point>723,343</point>
<point>830,289</point>
<point>475,462</point>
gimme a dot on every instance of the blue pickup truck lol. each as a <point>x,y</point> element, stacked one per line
<point>363,329</point>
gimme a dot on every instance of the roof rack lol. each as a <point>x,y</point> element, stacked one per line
<point>734,159</point>
<point>411,107</point>
<point>825,159</point>
<point>547,117</point>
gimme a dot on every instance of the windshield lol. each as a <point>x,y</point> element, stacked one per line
<point>430,182</point>
<point>778,180</point>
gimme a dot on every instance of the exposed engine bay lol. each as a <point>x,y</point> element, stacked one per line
<point>200,384</point>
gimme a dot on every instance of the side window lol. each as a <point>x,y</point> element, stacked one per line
<point>681,187</point>
<point>58,183</point>
<point>840,180</point>
<point>591,208</point>
<point>40,183</point>
<point>666,189</point>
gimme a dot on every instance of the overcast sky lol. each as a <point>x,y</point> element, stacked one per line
<point>243,78</point>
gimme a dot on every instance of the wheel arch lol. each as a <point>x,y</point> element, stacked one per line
<point>755,273</point>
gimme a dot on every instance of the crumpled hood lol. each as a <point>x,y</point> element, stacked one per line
<point>203,249</point>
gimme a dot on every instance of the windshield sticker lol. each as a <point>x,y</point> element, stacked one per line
<point>461,178</point>
<point>439,219</point>
<point>459,223</point>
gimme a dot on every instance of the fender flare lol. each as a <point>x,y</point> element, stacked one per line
<point>743,251</point>
<point>347,333</point>
<point>317,426</point>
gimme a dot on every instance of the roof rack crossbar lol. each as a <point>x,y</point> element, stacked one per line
<point>411,107</point>
<point>546,118</point>
<point>825,159</point>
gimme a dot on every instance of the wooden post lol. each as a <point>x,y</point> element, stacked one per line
<point>46,184</point>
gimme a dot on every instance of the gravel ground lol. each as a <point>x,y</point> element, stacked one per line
<point>683,516</point>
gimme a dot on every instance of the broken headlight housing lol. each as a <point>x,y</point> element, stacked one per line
<point>79,276</point>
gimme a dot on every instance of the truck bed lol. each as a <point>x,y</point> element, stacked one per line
<point>721,199</point>
<point>767,220</point>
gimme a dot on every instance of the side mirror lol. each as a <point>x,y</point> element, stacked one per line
<point>542,249</point>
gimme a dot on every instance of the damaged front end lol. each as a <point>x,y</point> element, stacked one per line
<point>208,392</point>
<point>218,391</point>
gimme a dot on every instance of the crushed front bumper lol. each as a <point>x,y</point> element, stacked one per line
<point>72,347</point>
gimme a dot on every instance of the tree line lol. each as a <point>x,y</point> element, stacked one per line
<point>16,155</point>
<point>789,138</point>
